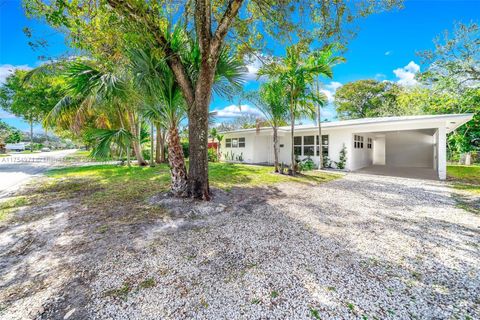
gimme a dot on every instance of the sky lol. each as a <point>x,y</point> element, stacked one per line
<point>384,49</point>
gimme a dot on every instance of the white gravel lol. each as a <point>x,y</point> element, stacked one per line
<point>361,247</point>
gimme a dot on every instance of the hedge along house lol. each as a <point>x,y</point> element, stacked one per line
<point>412,146</point>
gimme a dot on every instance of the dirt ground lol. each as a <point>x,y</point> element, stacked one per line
<point>359,247</point>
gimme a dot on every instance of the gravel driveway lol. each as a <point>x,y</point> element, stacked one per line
<point>361,247</point>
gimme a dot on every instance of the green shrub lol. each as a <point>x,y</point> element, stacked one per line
<point>343,158</point>
<point>306,165</point>
<point>146,154</point>
<point>326,162</point>
<point>212,155</point>
<point>185,147</point>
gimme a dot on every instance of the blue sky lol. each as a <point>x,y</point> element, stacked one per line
<point>384,48</point>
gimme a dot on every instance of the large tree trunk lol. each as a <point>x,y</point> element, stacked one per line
<point>198,132</point>
<point>135,131</point>
<point>275,147</point>
<point>468,158</point>
<point>197,96</point>
<point>159,144</point>
<point>176,162</point>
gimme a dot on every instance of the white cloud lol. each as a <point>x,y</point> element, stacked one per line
<point>406,75</point>
<point>380,76</point>
<point>252,70</point>
<point>8,69</point>
<point>254,63</point>
<point>233,111</point>
<point>387,53</point>
<point>6,115</point>
<point>328,113</point>
<point>330,89</point>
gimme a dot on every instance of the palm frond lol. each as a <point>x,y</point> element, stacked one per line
<point>106,139</point>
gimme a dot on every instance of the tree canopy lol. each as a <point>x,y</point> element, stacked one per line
<point>108,29</point>
<point>371,98</point>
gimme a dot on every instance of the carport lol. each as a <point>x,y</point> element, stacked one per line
<point>408,147</point>
<point>406,153</point>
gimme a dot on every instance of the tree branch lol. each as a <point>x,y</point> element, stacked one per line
<point>203,24</point>
<point>172,58</point>
<point>223,26</point>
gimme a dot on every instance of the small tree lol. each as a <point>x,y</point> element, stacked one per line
<point>273,103</point>
<point>30,100</point>
<point>342,160</point>
<point>297,72</point>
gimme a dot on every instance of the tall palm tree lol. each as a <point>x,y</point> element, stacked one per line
<point>320,99</point>
<point>91,91</point>
<point>167,106</point>
<point>297,71</point>
<point>154,79</point>
<point>273,103</point>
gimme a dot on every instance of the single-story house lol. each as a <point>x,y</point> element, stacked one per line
<point>410,144</point>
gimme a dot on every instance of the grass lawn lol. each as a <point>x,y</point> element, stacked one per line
<point>465,177</point>
<point>27,151</point>
<point>106,187</point>
<point>79,155</point>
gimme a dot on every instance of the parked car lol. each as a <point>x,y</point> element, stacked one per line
<point>45,150</point>
<point>21,146</point>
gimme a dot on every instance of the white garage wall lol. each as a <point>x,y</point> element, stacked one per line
<point>361,157</point>
<point>379,150</point>
<point>409,149</point>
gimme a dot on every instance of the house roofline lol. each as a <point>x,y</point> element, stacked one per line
<point>366,121</point>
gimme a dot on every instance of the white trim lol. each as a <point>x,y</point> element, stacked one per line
<point>457,119</point>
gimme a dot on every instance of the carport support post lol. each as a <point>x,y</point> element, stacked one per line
<point>442,153</point>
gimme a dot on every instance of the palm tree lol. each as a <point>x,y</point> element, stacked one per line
<point>154,79</point>
<point>166,105</point>
<point>104,95</point>
<point>296,72</point>
<point>273,103</point>
<point>108,139</point>
<point>320,100</point>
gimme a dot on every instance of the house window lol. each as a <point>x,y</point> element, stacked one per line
<point>309,145</point>
<point>369,143</point>
<point>324,146</point>
<point>235,143</point>
<point>241,142</point>
<point>358,142</point>
<point>297,146</point>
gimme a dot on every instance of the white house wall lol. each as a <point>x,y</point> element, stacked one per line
<point>264,146</point>
<point>247,153</point>
<point>409,149</point>
<point>361,157</point>
<point>379,150</point>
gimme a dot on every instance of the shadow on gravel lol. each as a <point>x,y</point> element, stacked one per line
<point>289,251</point>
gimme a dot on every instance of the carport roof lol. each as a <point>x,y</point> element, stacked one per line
<point>452,122</point>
